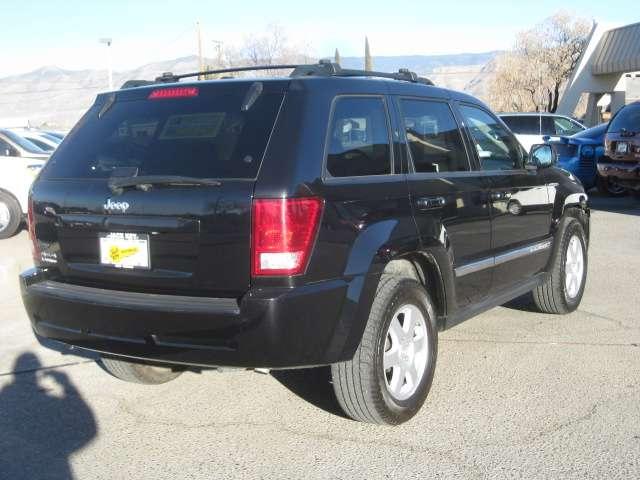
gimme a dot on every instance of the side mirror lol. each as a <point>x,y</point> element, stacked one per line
<point>541,156</point>
<point>6,152</point>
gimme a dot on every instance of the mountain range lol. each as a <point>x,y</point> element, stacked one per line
<point>57,98</point>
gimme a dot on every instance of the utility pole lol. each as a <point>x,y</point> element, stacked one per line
<point>200,65</point>
<point>108,42</point>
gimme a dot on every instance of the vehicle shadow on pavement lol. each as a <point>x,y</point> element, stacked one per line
<point>43,421</point>
<point>523,303</point>
<point>312,385</point>
<point>626,205</point>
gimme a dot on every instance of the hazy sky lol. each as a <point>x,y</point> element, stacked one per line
<point>65,33</point>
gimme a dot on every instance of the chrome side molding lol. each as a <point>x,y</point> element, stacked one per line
<point>489,262</point>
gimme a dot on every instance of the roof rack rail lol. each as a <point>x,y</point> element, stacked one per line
<point>333,69</point>
<point>170,77</point>
<point>322,68</point>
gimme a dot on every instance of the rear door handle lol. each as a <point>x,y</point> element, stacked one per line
<point>430,203</point>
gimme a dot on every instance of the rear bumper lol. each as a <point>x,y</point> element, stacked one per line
<point>626,174</point>
<point>271,328</point>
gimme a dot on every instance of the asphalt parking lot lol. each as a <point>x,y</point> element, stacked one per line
<point>516,395</point>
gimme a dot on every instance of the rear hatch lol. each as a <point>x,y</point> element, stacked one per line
<point>152,189</point>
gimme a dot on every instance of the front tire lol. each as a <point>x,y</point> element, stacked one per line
<point>138,372</point>
<point>390,375</point>
<point>563,289</point>
<point>10,215</point>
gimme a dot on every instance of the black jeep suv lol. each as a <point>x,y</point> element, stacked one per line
<point>331,217</point>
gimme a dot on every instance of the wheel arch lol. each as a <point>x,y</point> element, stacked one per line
<point>424,268</point>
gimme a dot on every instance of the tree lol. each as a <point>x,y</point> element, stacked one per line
<point>534,73</point>
<point>368,62</point>
<point>336,57</point>
<point>271,47</point>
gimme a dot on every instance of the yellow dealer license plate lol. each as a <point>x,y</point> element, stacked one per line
<point>124,250</point>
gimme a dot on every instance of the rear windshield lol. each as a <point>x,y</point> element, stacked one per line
<point>209,136</point>
<point>628,119</point>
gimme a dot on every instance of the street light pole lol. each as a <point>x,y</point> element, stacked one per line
<point>107,42</point>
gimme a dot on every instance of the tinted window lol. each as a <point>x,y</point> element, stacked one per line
<point>548,127</point>
<point>210,136</point>
<point>628,118</point>
<point>497,149</point>
<point>6,150</point>
<point>359,138</point>
<point>433,137</point>
<point>564,126</point>
<point>523,124</point>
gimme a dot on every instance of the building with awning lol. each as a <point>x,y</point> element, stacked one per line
<point>608,73</point>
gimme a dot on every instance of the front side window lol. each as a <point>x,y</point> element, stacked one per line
<point>359,138</point>
<point>433,137</point>
<point>523,124</point>
<point>564,126</point>
<point>497,148</point>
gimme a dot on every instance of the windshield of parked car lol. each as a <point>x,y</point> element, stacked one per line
<point>23,143</point>
<point>626,119</point>
<point>40,144</point>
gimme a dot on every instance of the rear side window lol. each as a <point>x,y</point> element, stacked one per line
<point>359,138</point>
<point>626,119</point>
<point>433,137</point>
<point>523,124</point>
<point>208,136</point>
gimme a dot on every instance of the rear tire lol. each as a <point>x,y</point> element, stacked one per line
<point>390,375</point>
<point>138,372</point>
<point>563,289</point>
<point>10,215</point>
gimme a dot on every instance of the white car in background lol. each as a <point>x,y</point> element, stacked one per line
<point>529,128</point>
<point>39,138</point>
<point>21,161</point>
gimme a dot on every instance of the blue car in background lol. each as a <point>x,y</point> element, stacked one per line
<point>579,155</point>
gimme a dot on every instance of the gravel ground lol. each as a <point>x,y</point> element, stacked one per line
<point>516,395</point>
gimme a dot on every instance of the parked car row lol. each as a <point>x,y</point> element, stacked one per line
<point>531,128</point>
<point>606,156</point>
<point>23,151</point>
<point>622,148</point>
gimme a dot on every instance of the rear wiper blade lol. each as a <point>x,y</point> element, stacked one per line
<point>117,184</point>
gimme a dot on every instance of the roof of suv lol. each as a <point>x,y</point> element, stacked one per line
<point>403,82</point>
<point>348,84</point>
